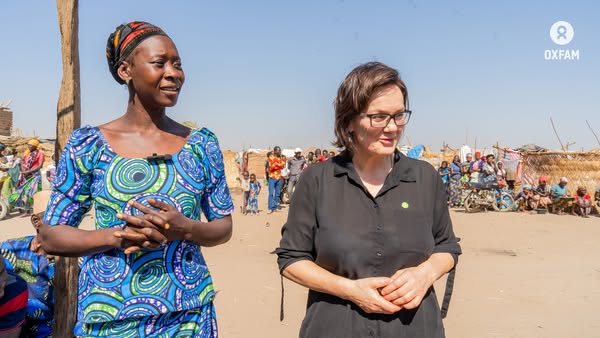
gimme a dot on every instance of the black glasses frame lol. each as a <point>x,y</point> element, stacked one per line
<point>389,117</point>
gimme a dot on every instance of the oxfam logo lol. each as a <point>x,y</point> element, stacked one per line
<point>561,33</point>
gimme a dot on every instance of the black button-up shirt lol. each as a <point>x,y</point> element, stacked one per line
<point>335,222</point>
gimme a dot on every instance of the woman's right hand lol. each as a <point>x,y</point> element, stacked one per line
<point>132,239</point>
<point>365,293</point>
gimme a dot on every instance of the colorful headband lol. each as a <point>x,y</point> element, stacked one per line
<point>123,41</point>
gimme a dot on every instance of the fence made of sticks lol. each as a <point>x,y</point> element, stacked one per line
<point>581,168</point>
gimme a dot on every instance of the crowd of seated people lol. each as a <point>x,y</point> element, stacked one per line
<point>557,198</point>
<point>484,169</point>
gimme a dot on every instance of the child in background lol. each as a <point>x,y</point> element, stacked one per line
<point>444,172</point>
<point>245,191</point>
<point>253,195</point>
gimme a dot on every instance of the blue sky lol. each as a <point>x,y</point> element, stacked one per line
<point>265,73</point>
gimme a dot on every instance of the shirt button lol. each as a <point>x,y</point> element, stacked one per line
<point>379,254</point>
<point>375,205</point>
<point>379,226</point>
<point>371,333</point>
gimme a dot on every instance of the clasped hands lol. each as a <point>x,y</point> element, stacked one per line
<point>152,228</point>
<point>404,290</point>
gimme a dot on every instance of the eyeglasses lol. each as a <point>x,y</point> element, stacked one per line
<point>382,120</point>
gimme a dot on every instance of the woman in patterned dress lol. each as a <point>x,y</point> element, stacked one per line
<point>143,274</point>
<point>30,179</point>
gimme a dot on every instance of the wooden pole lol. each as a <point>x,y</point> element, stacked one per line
<point>592,130</point>
<point>559,141</point>
<point>68,119</point>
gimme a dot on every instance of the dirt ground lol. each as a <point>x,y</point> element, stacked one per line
<point>520,275</point>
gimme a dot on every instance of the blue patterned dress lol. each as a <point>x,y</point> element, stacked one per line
<point>164,292</point>
<point>38,271</point>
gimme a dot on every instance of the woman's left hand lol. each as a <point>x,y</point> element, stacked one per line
<point>407,288</point>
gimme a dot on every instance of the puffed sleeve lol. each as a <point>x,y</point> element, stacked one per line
<point>216,201</point>
<point>70,198</point>
<point>445,240</point>
<point>298,233</point>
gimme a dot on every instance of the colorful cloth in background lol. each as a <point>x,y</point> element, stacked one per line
<point>445,175</point>
<point>28,184</point>
<point>455,191</point>
<point>253,197</point>
<point>416,151</point>
<point>275,166</point>
<point>13,305</point>
<point>38,272</point>
<point>152,285</point>
<point>23,196</point>
<point>31,160</point>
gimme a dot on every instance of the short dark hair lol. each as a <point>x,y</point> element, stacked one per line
<point>356,92</point>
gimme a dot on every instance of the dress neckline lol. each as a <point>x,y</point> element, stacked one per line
<point>110,148</point>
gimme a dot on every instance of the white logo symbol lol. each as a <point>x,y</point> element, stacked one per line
<point>561,33</point>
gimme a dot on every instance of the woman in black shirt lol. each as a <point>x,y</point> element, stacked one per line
<point>371,263</point>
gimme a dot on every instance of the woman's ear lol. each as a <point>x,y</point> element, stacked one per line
<point>124,71</point>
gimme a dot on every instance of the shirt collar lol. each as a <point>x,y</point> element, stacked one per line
<point>403,170</point>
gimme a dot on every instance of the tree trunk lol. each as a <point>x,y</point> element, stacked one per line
<point>68,119</point>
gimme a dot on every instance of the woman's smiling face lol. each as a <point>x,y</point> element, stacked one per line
<point>156,72</point>
<point>371,141</point>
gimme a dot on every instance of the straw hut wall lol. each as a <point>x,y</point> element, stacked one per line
<point>256,163</point>
<point>19,144</point>
<point>581,168</point>
<point>232,171</point>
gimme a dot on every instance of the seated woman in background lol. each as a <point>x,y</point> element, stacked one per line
<point>525,200</point>
<point>488,171</point>
<point>541,194</point>
<point>558,194</point>
<point>583,203</point>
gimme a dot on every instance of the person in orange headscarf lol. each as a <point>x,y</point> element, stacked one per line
<point>542,193</point>
<point>30,179</point>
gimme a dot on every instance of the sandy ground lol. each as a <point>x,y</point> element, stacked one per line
<point>520,275</point>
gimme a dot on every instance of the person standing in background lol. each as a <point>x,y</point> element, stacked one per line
<point>276,163</point>
<point>30,179</point>
<point>296,164</point>
<point>245,184</point>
